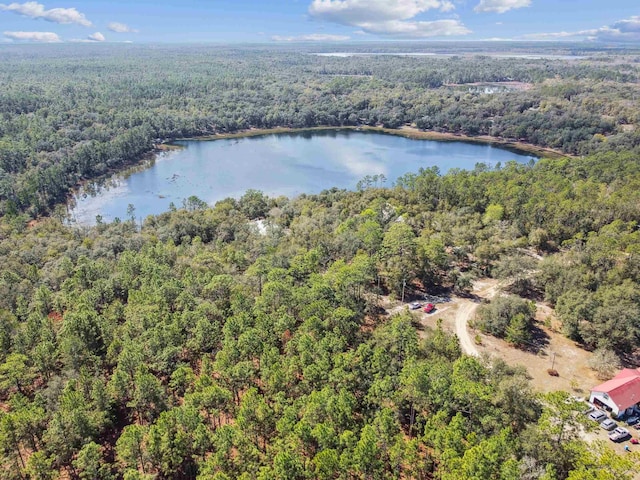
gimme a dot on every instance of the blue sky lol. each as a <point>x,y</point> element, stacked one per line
<point>145,21</point>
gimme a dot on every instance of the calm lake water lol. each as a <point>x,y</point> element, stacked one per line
<point>281,164</point>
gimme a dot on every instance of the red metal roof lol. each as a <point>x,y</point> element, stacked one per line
<point>628,372</point>
<point>623,389</point>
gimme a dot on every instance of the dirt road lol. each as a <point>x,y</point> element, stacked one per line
<point>461,310</point>
<point>465,312</point>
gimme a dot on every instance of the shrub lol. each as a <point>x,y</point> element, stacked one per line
<point>507,316</point>
<point>605,363</point>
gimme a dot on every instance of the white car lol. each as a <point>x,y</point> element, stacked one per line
<point>597,415</point>
<point>608,424</point>
<point>415,306</point>
<point>619,434</point>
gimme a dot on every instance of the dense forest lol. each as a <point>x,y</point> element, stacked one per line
<point>197,345</point>
<point>71,113</point>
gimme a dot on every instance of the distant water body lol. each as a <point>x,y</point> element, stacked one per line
<point>527,56</point>
<point>277,164</point>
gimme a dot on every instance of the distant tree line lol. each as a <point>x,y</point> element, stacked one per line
<point>72,113</point>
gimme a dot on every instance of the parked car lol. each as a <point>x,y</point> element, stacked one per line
<point>415,305</point>
<point>597,415</point>
<point>575,401</point>
<point>429,307</point>
<point>588,408</point>
<point>632,420</point>
<point>619,434</point>
<point>608,424</point>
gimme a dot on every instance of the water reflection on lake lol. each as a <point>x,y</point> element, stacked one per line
<point>280,164</point>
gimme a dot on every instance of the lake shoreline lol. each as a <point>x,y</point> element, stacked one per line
<point>405,131</point>
<point>145,161</point>
<point>280,162</point>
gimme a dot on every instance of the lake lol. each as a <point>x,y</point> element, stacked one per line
<point>277,164</point>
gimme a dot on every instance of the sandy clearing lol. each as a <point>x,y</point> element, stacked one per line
<point>569,359</point>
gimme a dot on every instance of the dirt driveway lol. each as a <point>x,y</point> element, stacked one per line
<point>567,358</point>
<point>563,354</point>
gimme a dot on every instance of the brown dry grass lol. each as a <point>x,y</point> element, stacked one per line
<point>571,361</point>
<point>567,358</point>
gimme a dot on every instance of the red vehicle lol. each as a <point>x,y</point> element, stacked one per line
<point>429,307</point>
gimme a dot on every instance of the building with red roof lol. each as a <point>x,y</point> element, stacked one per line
<point>619,394</point>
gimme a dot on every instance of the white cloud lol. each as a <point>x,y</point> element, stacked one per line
<point>553,35</point>
<point>627,30</point>
<point>96,37</point>
<point>500,6</point>
<point>436,28</point>
<point>447,7</point>
<point>56,15</point>
<point>388,17</point>
<point>313,37</point>
<point>121,28</point>
<point>349,12</point>
<point>40,37</point>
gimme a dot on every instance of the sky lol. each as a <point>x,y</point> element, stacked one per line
<point>287,21</point>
